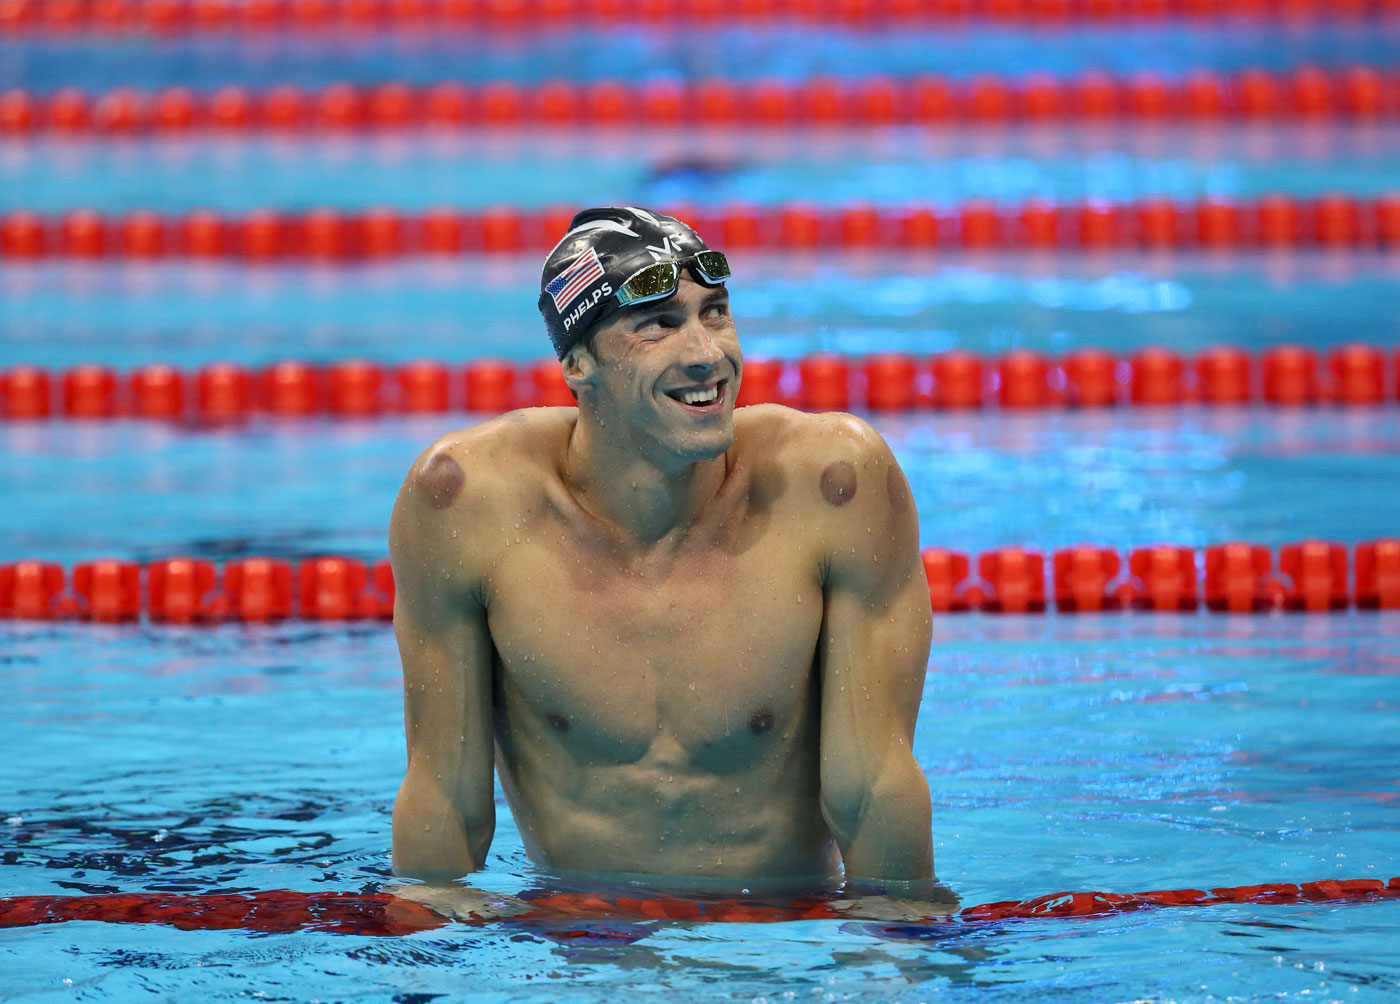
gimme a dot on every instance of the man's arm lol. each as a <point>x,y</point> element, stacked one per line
<point>444,815</point>
<point>873,655</point>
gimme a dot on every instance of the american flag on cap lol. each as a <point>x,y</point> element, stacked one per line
<point>568,284</point>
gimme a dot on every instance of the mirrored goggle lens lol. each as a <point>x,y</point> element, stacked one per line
<point>713,266</point>
<point>651,283</point>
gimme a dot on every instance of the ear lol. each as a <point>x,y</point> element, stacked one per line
<point>580,370</point>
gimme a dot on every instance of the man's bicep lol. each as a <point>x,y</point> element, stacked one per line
<point>874,656</point>
<point>447,688</point>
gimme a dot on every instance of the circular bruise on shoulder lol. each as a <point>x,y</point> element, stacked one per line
<point>442,478</point>
<point>839,482</point>
<point>897,488</point>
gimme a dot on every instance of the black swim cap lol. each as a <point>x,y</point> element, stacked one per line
<point>604,248</point>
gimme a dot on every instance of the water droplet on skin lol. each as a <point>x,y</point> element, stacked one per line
<point>454,533</point>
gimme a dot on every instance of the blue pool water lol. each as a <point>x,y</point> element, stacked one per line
<point>887,167</point>
<point>1095,752</point>
<point>1122,752</point>
<point>456,310</point>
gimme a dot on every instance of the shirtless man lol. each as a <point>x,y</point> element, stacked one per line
<point>692,640</point>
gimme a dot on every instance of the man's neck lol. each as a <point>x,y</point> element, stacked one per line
<point>647,499</point>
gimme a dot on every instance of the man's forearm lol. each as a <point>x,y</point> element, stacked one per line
<point>892,840</point>
<point>432,840</point>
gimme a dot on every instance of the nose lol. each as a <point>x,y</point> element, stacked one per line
<point>701,353</point>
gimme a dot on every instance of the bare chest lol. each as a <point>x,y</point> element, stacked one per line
<point>709,650</point>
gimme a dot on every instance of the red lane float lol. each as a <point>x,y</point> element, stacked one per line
<point>1353,94</point>
<point>1350,375</point>
<point>184,590</point>
<point>167,18</point>
<point>1234,577</point>
<point>555,915</point>
<point>329,237</point>
<point>1087,378</point>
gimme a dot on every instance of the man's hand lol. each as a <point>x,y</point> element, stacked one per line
<point>459,901</point>
<point>869,904</point>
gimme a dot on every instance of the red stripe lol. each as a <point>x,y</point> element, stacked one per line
<point>1238,577</point>
<point>1275,223</point>
<point>164,18</point>
<point>283,911</point>
<point>1365,93</point>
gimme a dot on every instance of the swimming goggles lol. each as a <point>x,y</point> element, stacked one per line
<point>659,280</point>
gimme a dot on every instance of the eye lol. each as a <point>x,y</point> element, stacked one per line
<point>656,325</point>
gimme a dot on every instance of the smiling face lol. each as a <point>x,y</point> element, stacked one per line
<point>664,375</point>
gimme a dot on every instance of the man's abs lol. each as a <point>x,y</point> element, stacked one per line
<point>659,817</point>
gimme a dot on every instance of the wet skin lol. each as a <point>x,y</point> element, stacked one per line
<point>692,641</point>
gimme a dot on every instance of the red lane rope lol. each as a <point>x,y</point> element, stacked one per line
<point>175,17</point>
<point>1352,375</point>
<point>1276,223</point>
<point>283,911</point>
<point>1236,577</point>
<point>1356,93</point>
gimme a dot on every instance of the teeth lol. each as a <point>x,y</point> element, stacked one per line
<point>700,396</point>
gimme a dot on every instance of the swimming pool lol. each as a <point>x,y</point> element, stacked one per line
<point>1119,751</point>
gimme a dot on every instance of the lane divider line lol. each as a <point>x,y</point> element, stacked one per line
<point>1358,93</point>
<point>1236,577</point>
<point>1284,376</point>
<point>554,915</point>
<point>1275,224</point>
<point>169,18</point>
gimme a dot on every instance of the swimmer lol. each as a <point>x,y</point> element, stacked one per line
<point>690,639</point>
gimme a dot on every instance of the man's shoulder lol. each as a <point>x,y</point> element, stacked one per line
<point>489,462</point>
<point>808,440</point>
<point>841,476</point>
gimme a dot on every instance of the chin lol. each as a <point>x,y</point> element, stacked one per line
<point>707,445</point>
